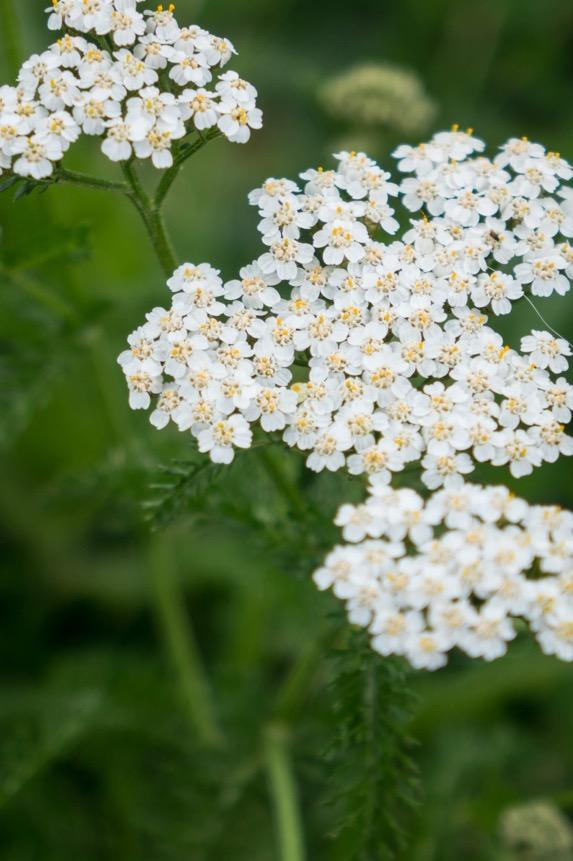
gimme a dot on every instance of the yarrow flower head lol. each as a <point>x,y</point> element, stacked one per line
<point>372,352</point>
<point>455,571</point>
<point>137,79</point>
<point>396,361</point>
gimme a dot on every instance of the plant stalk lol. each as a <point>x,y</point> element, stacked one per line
<point>284,795</point>
<point>152,218</point>
<point>174,624</point>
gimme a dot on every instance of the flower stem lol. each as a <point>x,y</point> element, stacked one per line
<point>152,219</point>
<point>161,242</point>
<point>78,178</point>
<point>174,624</point>
<point>284,795</point>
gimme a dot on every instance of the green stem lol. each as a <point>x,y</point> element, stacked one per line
<point>152,219</point>
<point>84,179</point>
<point>135,184</point>
<point>283,791</point>
<point>161,242</point>
<point>173,621</point>
<point>11,35</point>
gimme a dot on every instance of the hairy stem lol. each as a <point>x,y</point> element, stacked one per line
<point>152,219</point>
<point>284,795</point>
<point>161,242</point>
<point>174,624</point>
<point>77,178</point>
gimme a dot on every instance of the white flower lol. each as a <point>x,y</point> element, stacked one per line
<point>254,288</point>
<point>157,145</point>
<point>143,378</point>
<point>544,275</point>
<point>187,69</point>
<point>272,406</point>
<point>236,121</point>
<point>36,155</point>
<point>329,448</point>
<point>232,88</point>
<point>341,240</point>
<point>445,469</point>
<point>222,436</point>
<point>546,350</point>
<point>126,22</point>
<point>283,257</point>
<point>200,106</point>
<point>119,137</point>
<point>517,448</point>
<point>92,114</point>
<point>59,130</point>
<point>497,290</point>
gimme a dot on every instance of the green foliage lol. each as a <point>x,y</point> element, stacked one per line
<point>180,487</point>
<point>373,779</point>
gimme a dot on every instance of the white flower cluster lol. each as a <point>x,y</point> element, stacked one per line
<point>377,354</point>
<point>426,577</point>
<point>141,85</point>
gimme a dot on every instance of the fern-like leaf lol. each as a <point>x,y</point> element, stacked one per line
<point>373,778</point>
<point>178,488</point>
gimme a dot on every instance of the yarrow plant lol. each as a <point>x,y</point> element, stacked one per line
<point>378,356</point>
<point>138,80</point>
<point>363,337</point>
<point>368,346</point>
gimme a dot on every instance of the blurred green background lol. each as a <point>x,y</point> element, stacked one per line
<point>99,755</point>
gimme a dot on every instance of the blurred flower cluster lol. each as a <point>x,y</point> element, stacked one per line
<point>380,96</point>
<point>140,82</point>
<point>425,577</point>
<point>536,831</point>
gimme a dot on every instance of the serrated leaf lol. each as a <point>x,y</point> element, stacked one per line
<point>374,780</point>
<point>178,489</point>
